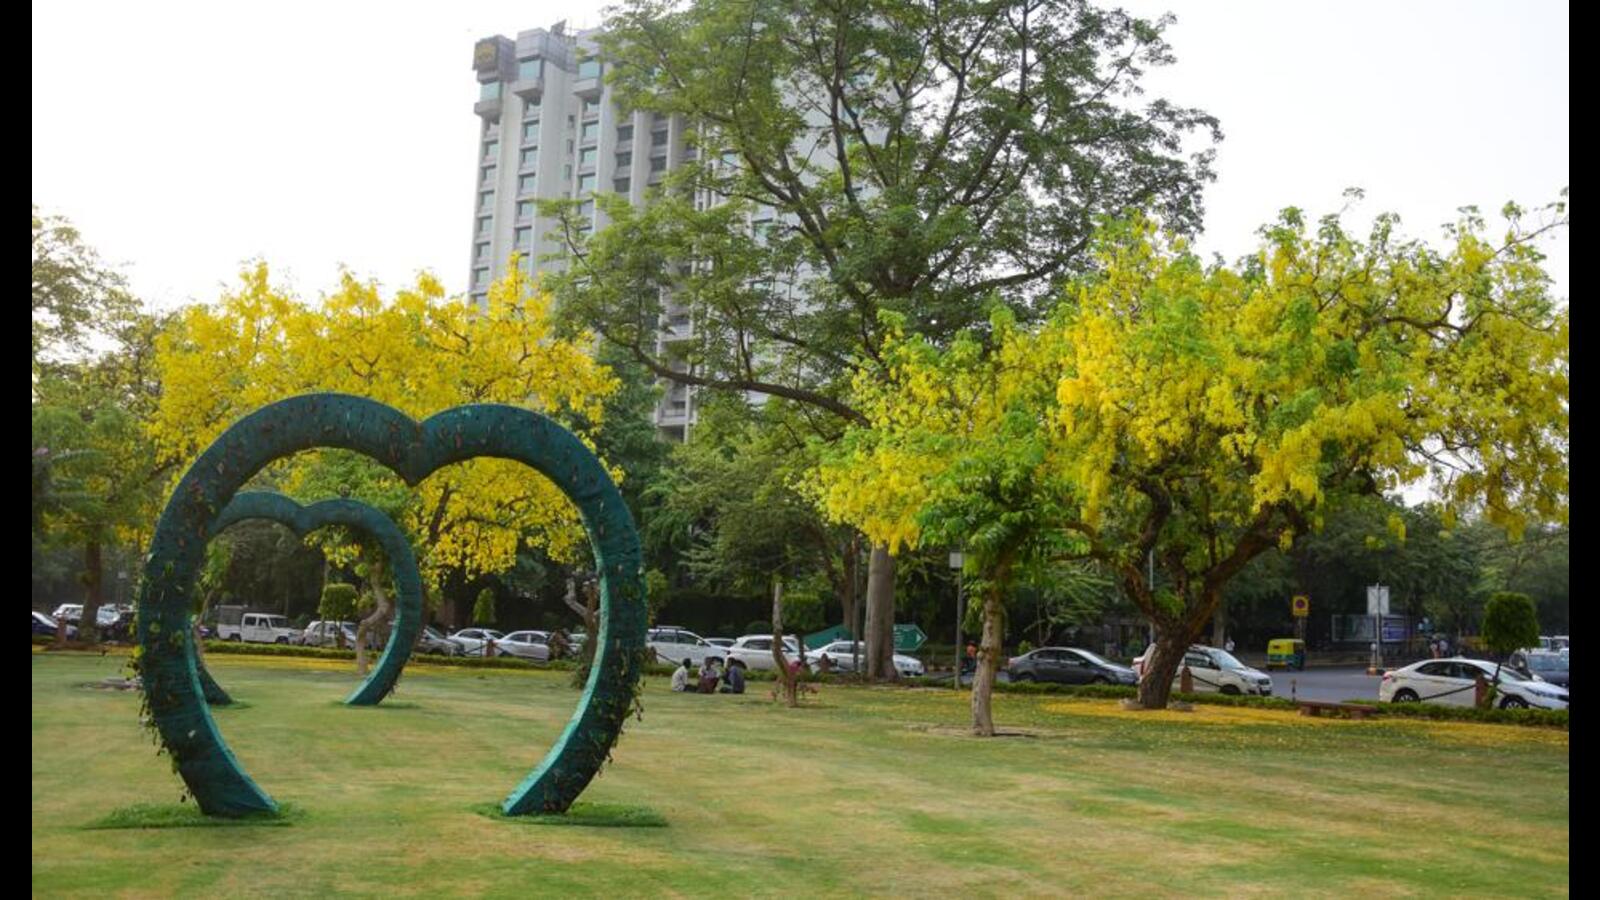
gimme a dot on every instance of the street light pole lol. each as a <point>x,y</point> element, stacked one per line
<point>957,561</point>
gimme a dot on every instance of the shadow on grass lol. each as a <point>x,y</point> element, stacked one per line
<point>589,815</point>
<point>387,704</point>
<point>187,815</point>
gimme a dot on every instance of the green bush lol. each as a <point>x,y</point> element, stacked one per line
<point>468,662</point>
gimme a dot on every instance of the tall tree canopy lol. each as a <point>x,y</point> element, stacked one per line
<point>860,157</point>
<point>1204,415</point>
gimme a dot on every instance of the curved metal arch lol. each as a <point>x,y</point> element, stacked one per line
<point>303,520</point>
<point>413,451</point>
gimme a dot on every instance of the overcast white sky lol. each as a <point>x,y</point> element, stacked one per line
<point>186,138</point>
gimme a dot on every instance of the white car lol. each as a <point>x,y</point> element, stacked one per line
<point>472,641</point>
<point>73,613</point>
<point>533,645</point>
<point>843,655</point>
<point>754,651</point>
<point>327,634</point>
<point>1214,671</point>
<point>259,628</point>
<point>672,645</point>
<point>1451,682</point>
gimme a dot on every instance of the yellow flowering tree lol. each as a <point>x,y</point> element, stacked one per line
<point>1196,416</point>
<point>418,352</point>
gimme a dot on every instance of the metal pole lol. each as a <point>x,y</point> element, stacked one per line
<point>961,614</point>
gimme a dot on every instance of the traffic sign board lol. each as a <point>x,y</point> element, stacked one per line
<point>908,638</point>
<point>1301,605</point>
<point>1378,600</point>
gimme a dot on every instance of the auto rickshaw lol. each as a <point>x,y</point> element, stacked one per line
<point>1287,652</point>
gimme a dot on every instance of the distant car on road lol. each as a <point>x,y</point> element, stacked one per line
<point>533,645</point>
<point>472,641</point>
<point>1451,682</point>
<point>432,641</point>
<point>106,616</point>
<point>1068,665</point>
<point>1545,665</point>
<point>1213,671</point>
<point>843,655</point>
<point>43,624</point>
<point>672,645</point>
<point>259,628</point>
<point>328,633</point>
<point>754,651</point>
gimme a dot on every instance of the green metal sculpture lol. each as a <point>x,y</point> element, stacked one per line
<point>413,451</point>
<point>353,514</point>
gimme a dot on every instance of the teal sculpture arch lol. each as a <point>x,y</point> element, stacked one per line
<point>302,520</point>
<point>412,450</point>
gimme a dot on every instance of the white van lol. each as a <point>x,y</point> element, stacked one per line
<point>258,628</point>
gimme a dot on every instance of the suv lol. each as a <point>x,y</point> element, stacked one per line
<point>1213,671</point>
<point>754,651</point>
<point>672,645</point>
<point>259,628</point>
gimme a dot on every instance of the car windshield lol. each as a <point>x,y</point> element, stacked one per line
<point>1226,660</point>
<point>1506,672</point>
<point>1095,658</point>
<point>1543,663</point>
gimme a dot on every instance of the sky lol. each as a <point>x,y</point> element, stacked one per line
<point>184,139</point>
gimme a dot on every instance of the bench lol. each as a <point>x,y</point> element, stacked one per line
<point>1316,708</point>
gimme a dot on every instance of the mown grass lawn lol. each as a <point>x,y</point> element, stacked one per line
<point>865,791</point>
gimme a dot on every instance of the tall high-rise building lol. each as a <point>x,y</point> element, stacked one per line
<point>549,130</point>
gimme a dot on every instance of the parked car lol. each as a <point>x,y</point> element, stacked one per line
<point>106,616</point>
<point>328,634</point>
<point>1542,665</point>
<point>1451,682</point>
<point>432,641</point>
<point>43,624</point>
<point>754,651</point>
<point>842,657</point>
<point>533,645</point>
<point>259,628</point>
<point>1068,665</point>
<point>473,641</point>
<point>1213,670</point>
<point>672,645</point>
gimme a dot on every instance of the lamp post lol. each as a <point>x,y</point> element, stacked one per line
<point>957,560</point>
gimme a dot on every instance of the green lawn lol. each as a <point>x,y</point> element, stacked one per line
<point>865,791</point>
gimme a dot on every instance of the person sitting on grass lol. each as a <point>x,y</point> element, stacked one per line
<point>680,676</point>
<point>709,676</point>
<point>733,680</point>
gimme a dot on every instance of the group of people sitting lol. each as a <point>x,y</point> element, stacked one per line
<point>712,675</point>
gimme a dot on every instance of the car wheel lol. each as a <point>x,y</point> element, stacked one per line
<point>283,640</point>
<point>1405,695</point>
<point>1098,680</point>
<point>237,637</point>
<point>1230,690</point>
<point>1513,703</point>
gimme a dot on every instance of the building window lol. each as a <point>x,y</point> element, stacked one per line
<point>530,130</point>
<point>481,252</point>
<point>525,209</point>
<point>591,108</point>
<point>658,163</point>
<point>480,277</point>
<point>530,69</point>
<point>530,111</point>
<point>659,118</point>
<point>658,138</point>
<point>491,149</point>
<point>530,156</point>
<point>585,183</point>
<point>586,156</point>
<point>586,209</point>
<point>589,68</point>
<point>624,133</point>
<point>486,201</point>
<point>488,175</point>
<point>624,160</point>
<point>490,90</point>
<point>524,238</point>
<point>621,185</point>
<point>590,132</point>
<point>525,184</point>
<point>484,224</point>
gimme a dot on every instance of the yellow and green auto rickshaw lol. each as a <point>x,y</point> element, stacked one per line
<point>1286,652</point>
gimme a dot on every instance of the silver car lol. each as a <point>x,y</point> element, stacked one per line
<point>534,645</point>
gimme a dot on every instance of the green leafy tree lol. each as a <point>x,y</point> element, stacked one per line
<point>1509,624</point>
<point>892,157</point>
<point>76,296</point>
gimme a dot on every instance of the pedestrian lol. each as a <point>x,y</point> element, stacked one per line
<point>709,676</point>
<point>971,663</point>
<point>680,676</point>
<point>733,679</point>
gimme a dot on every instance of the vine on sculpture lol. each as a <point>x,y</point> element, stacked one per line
<point>303,520</point>
<point>411,450</point>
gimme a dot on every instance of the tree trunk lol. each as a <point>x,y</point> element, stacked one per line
<point>89,625</point>
<point>380,614</point>
<point>990,648</point>
<point>848,589</point>
<point>1155,682</point>
<point>1219,626</point>
<point>786,678</point>
<point>880,615</point>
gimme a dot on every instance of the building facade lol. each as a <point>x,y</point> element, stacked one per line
<point>549,130</point>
